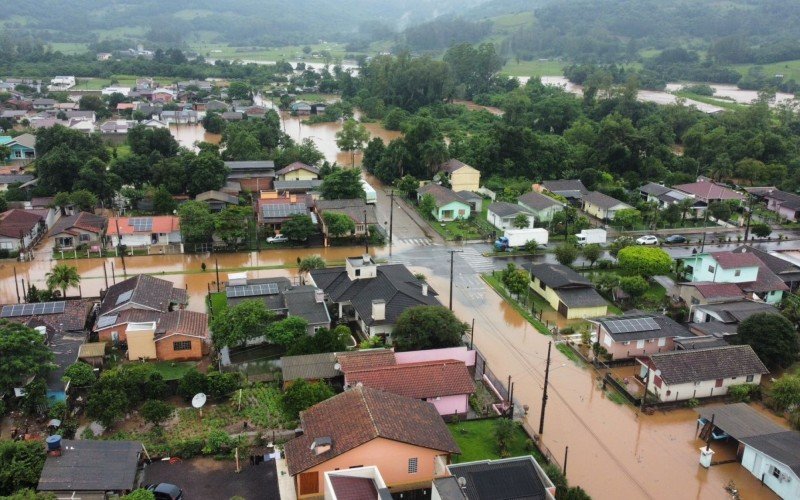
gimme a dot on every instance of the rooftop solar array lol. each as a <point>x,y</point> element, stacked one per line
<point>631,325</point>
<point>141,223</point>
<point>108,320</point>
<point>282,210</point>
<point>252,290</point>
<point>124,297</point>
<point>16,310</point>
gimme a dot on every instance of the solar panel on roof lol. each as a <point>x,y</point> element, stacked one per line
<point>16,310</point>
<point>124,297</point>
<point>105,321</point>
<point>282,210</point>
<point>631,325</point>
<point>141,223</point>
<point>252,290</point>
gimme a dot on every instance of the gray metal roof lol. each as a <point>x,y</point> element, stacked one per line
<point>739,420</point>
<point>783,447</point>
<point>571,186</point>
<point>301,301</point>
<point>299,185</point>
<point>89,465</point>
<point>558,276</point>
<point>309,366</point>
<point>601,200</point>
<point>515,478</point>
<point>667,327</point>
<point>581,297</point>
<point>504,209</point>
<point>537,201</point>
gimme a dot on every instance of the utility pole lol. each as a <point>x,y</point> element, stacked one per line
<point>105,274</point>
<point>749,215</point>
<point>472,334</point>
<point>452,258</point>
<point>366,234</point>
<point>216,267</point>
<point>16,284</point>
<point>119,244</point>
<point>544,394</point>
<point>566,455</point>
<point>705,223</point>
<point>391,219</point>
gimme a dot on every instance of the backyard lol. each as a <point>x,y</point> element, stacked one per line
<point>477,441</point>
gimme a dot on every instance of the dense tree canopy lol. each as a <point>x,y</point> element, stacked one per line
<point>22,354</point>
<point>772,337</point>
<point>427,327</point>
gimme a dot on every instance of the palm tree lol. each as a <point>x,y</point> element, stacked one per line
<point>62,277</point>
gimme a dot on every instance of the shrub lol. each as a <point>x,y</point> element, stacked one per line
<point>192,383</point>
<point>693,403</point>
<point>741,393</point>
<point>217,441</point>
<point>222,384</point>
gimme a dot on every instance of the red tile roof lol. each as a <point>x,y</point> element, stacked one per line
<point>161,224</point>
<point>354,488</point>
<point>717,290</point>
<point>423,380</point>
<point>362,360</point>
<point>709,191</point>
<point>167,323</point>
<point>17,222</point>
<point>360,415</point>
<point>728,260</point>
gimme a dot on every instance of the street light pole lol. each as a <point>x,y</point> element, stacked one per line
<point>452,258</point>
<point>366,234</point>
<point>749,216</point>
<point>119,243</point>
<point>544,394</point>
<point>391,219</point>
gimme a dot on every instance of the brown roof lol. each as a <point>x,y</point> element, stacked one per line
<point>709,191</point>
<point>353,208</point>
<point>680,367</point>
<point>728,260</point>
<point>441,195</point>
<point>73,319</point>
<point>766,281</point>
<point>15,222</point>
<point>428,379</point>
<point>717,290</point>
<point>147,292</point>
<point>362,360</point>
<point>452,165</point>
<point>353,488</point>
<point>167,323</point>
<point>297,166</point>
<point>360,415</point>
<point>83,220</point>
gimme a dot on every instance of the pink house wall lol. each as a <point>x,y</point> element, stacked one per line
<point>457,353</point>
<point>447,405</point>
<point>621,351</point>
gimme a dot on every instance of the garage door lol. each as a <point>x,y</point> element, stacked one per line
<point>562,309</point>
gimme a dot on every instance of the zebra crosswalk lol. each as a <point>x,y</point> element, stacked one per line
<point>420,242</point>
<point>476,261</point>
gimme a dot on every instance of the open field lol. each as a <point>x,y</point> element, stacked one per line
<point>69,48</point>
<point>789,69</point>
<point>722,103</point>
<point>223,51</point>
<point>534,68</point>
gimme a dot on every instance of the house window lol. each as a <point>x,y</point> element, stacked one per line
<point>711,269</point>
<point>650,341</point>
<point>17,154</point>
<point>662,342</point>
<point>776,472</point>
<point>412,465</point>
<point>640,344</point>
<point>183,345</point>
<point>85,237</point>
<point>738,272</point>
<point>750,378</point>
<point>358,272</point>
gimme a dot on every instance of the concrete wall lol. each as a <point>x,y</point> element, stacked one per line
<point>761,465</point>
<point>141,344</point>
<point>165,348</point>
<point>448,405</point>
<point>390,457</point>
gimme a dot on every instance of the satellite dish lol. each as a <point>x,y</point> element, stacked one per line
<point>199,400</point>
<point>462,482</point>
<point>337,367</point>
<point>658,373</point>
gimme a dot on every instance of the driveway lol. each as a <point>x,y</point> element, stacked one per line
<point>208,479</point>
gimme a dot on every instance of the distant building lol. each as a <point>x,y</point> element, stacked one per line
<point>571,189</point>
<point>145,231</point>
<point>602,206</point>
<point>571,294</point>
<point>253,176</point>
<point>461,176</point>
<point>541,206</point>
<point>708,191</point>
<point>448,205</point>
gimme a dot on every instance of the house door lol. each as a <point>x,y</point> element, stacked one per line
<point>563,309</point>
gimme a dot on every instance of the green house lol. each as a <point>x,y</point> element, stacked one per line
<point>449,205</point>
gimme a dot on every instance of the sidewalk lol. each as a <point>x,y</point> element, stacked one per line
<point>419,221</point>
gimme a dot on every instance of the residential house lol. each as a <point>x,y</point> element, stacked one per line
<point>448,205</point>
<point>541,206</point>
<point>194,84</point>
<point>23,148</point>
<point>145,231</point>
<point>83,228</point>
<point>141,292</point>
<point>474,200</point>
<point>179,116</point>
<point>217,105</point>
<point>21,180</point>
<point>162,95</point>
<point>116,126</point>
<point>43,104</point>
<point>372,295</point>
<point>602,206</point>
<point>708,191</point>
<point>79,114</point>
<point>253,176</point>
<point>281,297</point>
<point>782,268</point>
<point>89,468</point>
<point>20,229</point>
<point>297,187</point>
<point>318,108</point>
<point>461,176</point>
<point>638,334</point>
<point>571,189</point>
<point>700,373</point>
<point>300,108</point>
<point>665,196</point>
<point>703,292</point>
<point>309,367</point>
<point>502,215</point>
<point>217,200</point>
<point>769,451</point>
<point>571,294</point>
<point>785,204</point>
<point>232,116</point>
<point>275,209</point>
<point>297,171</point>
<point>362,214</point>
<point>404,438</point>
<point>104,56</point>
<point>446,384</point>
<point>508,478</point>
<point>177,335</point>
<point>744,269</point>
<point>64,327</point>
<point>721,319</point>
<point>61,83</point>
<point>355,483</point>
<point>255,112</point>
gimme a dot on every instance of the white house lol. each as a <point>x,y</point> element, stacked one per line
<point>125,91</point>
<point>700,373</point>
<point>502,215</point>
<point>61,83</point>
<point>145,231</point>
<point>775,460</point>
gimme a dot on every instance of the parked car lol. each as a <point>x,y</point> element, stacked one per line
<point>165,491</point>
<point>675,238</point>
<point>277,239</point>
<point>648,239</point>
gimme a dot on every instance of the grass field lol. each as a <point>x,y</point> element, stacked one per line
<point>223,51</point>
<point>172,370</point>
<point>219,302</point>
<point>722,103</point>
<point>789,69</point>
<point>477,442</point>
<point>69,48</point>
<point>534,68</point>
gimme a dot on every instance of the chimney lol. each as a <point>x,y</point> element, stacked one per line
<point>425,289</point>
<point>366,258</point>
<point>379,309</point>
<point>321,445</point>
<point>319,296</point>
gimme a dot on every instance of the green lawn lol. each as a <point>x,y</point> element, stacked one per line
<point>534,68</point>
<point>569,353</point>
<point>477,442</point>
<point>789,69</point>
<point>219,302</point>
<point>714,101</point>
<point>224,51</point>
<point>172,370</point>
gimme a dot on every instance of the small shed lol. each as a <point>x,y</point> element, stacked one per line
<point>93,353</point>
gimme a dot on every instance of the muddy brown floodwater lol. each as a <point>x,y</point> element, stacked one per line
<point>183,270</point>
<point>614,452</point>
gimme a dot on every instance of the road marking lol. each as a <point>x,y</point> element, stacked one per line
<point>422,242</point>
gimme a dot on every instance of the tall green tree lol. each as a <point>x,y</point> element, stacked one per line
<point>21,464</point>
<point>772,337</point>
<point>310,263</point>
<point>352,138</point>
<point>23,354</point>
<point>245,321</point>
<point>299,227</point>
<point>232,224</point>
<point>197,222</point>
<point>338,224</point>
<point>427,327</point>
<point>644,261</point>
<point>302,395</point>
<point>61,277</point>
<point>566,254</point>
<point>343,184</point>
